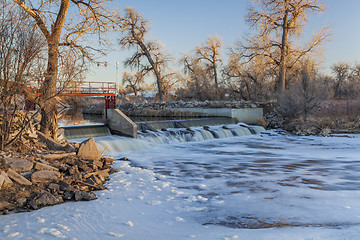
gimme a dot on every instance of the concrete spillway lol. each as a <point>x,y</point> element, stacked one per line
<point>186,123</point>
<point>86,131</point>
<point>118,123</point>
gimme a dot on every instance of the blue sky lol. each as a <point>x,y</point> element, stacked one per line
<point>183,24</point>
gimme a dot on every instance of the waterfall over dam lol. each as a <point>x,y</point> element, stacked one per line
<point>86,131</point>
<point>162,132</point>
<point>115,144</point>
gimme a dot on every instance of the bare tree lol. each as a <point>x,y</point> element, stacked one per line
<point>63,28</point>
<point>355,72</point>
<point>21,46</point>
<point>149,57</point>
<point>170,82</point>
<point>251,80</point>
<point>279,24</point>
<point>201,65</point>
<point>346,80</point>
<point>196,78</point>
<point>305,95</point>
<point>341,71</point>
<point>133,81</point>
<point>209,53</point>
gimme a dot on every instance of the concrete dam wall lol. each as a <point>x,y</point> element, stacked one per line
<point>120,124</point>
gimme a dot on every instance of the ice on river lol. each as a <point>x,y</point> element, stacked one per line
<point>269,186</point>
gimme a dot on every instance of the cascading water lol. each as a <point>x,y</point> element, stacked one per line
<point>242,131</point>
<point>202,135</point>
<point>84,131</point>
<point>115,144</point>
<point>223,133</point>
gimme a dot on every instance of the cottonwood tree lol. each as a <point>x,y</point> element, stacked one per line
<point>342,72</point>
<point>149,56</point>
<point>197,76</point>
<point>66,23</point>
<point>133,81</point>
<point>170,81</point>
<point>209,53</point>
<point>279,24</point>
<point>250,80</point>
<point>202,64</point>
<point>346,80</point>
<point>21,46</point>
<point>304,95</point>
<point>355,73</point>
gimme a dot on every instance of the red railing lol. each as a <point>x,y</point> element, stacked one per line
<point>90,89</point>
<point>107,89</point>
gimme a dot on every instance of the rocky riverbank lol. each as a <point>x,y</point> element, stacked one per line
<point>41,177</point>
<point>169,110</point>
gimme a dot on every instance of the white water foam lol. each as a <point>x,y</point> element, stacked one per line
<point>115,144</point>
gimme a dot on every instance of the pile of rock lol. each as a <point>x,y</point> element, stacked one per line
<point>170,109</point>
<point>182,104</point>
<point>30,182</point>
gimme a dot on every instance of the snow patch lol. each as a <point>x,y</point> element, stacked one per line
<point>51,231</point>
<point>12,235</point>
<point>129,223</point>
<point>179,219</point>
<point>118,235</point>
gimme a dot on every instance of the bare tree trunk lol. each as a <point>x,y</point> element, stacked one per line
<point>282,77</point>
<point>134,89</point>
<point>216,81</point>
<point>158,81</point>
<point>49,111</point>
<point>216,77</point>
<point>154,67</point>
<point>284,50</point>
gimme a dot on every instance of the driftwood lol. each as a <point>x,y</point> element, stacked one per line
<point>53,144</point>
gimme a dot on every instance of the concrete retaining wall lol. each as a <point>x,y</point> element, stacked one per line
<point>244,115</point>
<point>120,124</point>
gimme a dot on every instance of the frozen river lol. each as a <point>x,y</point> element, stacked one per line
<point>264,186</point>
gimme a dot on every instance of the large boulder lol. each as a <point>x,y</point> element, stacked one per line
<point>45,199</point>
<point>108,161</point>
<point>7,181</point>
<point>44,176</point>
<point>89,150</point>
<point>64,186</point>
<point>50,143</point>
<point>19,165</point>
<point>2,180</point>
<point>4,205</point>
<point>84,196</point>
<point>18,178</point>
<point>53,144</point>
<point>43,166</point>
